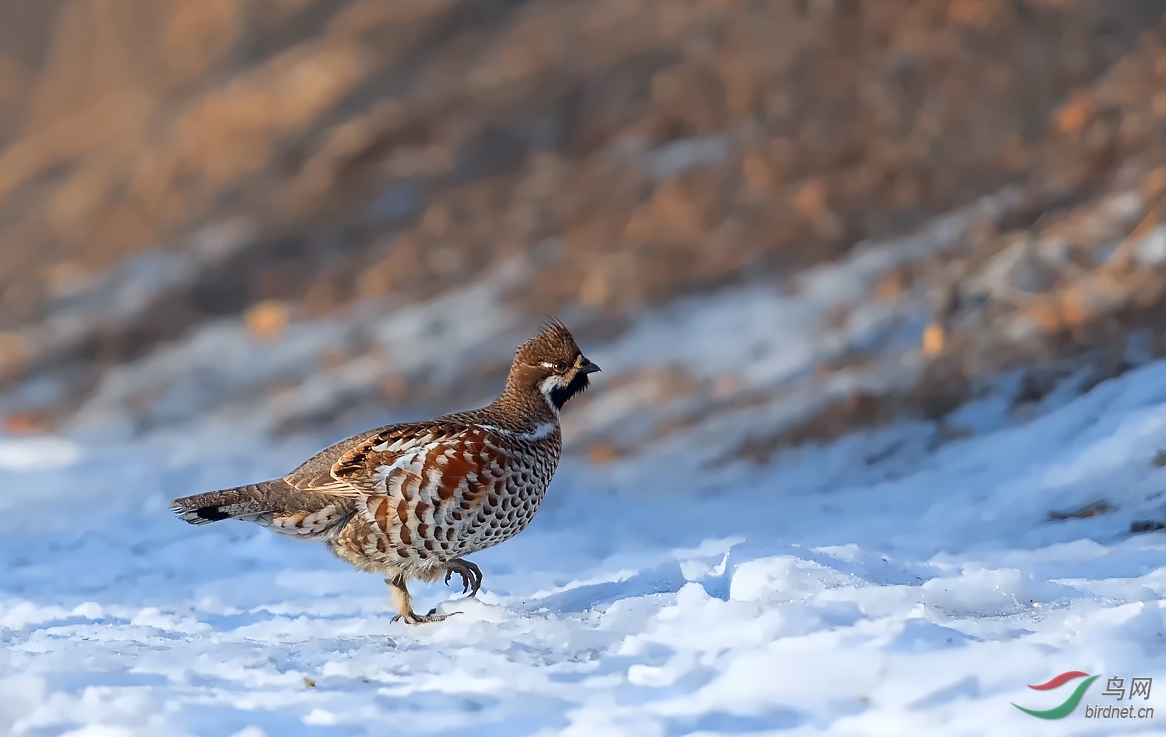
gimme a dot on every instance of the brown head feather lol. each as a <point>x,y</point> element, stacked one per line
<point>549,369</point>
<point>553,343</point>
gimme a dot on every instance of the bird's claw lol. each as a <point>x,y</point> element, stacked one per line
<point>432,616</point>
<point>470,573</point>
<point>465,581</point>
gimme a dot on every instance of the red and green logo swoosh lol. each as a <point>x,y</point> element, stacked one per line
<point>1066,708</point>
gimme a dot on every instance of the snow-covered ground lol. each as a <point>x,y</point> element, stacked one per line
<point>890,583</point>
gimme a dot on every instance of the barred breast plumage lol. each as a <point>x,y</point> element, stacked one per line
<point>411,500</point>
<point>440,490</point>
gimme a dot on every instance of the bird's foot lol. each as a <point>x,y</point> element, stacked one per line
<point>470,573</point>
<point>432,616</point>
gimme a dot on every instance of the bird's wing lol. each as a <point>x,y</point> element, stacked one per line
<point>315,474</point>
<point>424,484</point>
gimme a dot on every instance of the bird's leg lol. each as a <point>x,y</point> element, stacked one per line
<point>470,573</point>
<point>403,604</point>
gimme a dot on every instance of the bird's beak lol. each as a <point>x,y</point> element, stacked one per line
<point>588,367</point>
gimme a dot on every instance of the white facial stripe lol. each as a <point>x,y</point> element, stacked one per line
<point>548,385</point>
<point>547,364</point>
<point>551,383</point>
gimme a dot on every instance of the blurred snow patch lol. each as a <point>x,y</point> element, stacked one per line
<point>41,453</point>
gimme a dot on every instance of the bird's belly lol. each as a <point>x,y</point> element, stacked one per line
<point>498,522</point>
<point>366,547</point>
<point>416,530</point>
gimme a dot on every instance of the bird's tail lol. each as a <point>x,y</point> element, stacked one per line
<point>241,501</point>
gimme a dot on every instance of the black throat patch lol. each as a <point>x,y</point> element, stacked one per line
<point>561,395</point>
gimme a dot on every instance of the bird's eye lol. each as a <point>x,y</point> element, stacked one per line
<point>560,366</point>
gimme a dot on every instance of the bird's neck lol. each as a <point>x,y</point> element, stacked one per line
<point>523,407</point>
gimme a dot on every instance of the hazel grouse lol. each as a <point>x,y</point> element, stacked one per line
<point>411,501</point>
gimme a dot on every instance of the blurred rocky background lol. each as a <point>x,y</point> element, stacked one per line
<point>316,188</point>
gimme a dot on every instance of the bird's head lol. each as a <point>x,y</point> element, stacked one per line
<point>551,364</point>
